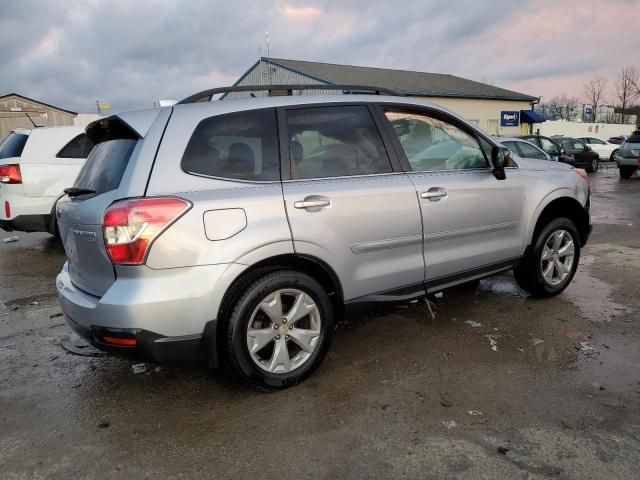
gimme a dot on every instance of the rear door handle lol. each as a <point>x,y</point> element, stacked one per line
<point>313,202</point>
<point>434,194</point>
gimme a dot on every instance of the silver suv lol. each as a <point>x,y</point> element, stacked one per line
<point>240,229</point>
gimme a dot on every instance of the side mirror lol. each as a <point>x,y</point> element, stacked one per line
<point>500,156</point>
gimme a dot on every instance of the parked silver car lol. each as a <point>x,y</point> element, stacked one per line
<point>241,229</point>
<point>524,149</point>
<point>628,158</point>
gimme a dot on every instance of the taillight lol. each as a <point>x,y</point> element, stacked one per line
<point>131,226</point>
<point>10,173</point>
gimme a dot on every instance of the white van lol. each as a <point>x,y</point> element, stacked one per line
<point>36,165</point>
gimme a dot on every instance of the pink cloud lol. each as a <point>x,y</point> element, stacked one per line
<point>291,12</point>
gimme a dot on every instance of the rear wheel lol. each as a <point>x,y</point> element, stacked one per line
<point>626,172</point>
<point>552,262</point>
<point>279,331</point>
<point>594,165</point>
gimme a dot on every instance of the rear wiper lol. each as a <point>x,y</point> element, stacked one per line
<point>77,191</point>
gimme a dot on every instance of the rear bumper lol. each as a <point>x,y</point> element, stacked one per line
<point>27,223</point>
<point>171,313</point>
<point>627,162</point>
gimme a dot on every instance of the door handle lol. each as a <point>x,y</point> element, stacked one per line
<point>313,202</point>
<point>434,194</point>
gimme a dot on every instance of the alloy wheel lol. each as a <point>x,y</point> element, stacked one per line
<point>557,257</point>
<point>284,331</point>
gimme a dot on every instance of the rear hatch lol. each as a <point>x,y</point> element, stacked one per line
<point>80,213</point>
<point>631,148</point>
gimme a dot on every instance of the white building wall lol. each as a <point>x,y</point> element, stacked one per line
<point>580,129</point>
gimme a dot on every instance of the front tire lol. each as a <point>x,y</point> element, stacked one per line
<point>614,156</point>
<point>552,261</point>
<point>279,330</point>
<point>626,172</point>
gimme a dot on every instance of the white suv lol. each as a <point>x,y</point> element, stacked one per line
<point>36,165</point>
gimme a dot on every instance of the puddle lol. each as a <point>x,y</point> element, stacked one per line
<point>591,295</point>
<point>501,285</point>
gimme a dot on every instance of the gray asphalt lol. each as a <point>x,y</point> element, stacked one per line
<point>401,395</point>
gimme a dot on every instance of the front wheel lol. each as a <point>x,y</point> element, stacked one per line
<point>552,262</point>
<point>614,156</point>
<point>594,165</point>
<point>279,331</point>
<point>626,172</point>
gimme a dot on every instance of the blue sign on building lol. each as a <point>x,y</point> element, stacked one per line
<point>509,119</point>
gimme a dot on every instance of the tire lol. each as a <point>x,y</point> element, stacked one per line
<point>613,156</point>
<point>626,172</point>
<point>530,275</point>
<point>273,360</point>
<point>594,165</point>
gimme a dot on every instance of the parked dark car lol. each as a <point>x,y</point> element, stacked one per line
<point>618,140</point>
<point>584,156</point>
<point>550,147</point>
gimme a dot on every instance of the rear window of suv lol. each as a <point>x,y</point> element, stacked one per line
<point>13,145</point>
<point>103,170</point>
<point>239,146</point>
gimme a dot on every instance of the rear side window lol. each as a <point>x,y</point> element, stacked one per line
<point>79,147</point>
<point>13,145</point>
<point>241,145</point>
<point>335,142</point>
<point>103,170</point>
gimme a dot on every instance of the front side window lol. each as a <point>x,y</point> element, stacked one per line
<point>431,144</point>
<point>335,142</point>
<point>79,147</point>
<point>240,146</point>
<point>529,151</point>
<point>549,147</point>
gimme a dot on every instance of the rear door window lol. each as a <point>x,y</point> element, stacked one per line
<point>240,146</point>
<point>13,145</point>
<point>335,142</point>
<point>103,170</point>
<point>79,147</point>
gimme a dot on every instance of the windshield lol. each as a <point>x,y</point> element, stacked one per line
<point>13,145</point>
<point>105,166</point>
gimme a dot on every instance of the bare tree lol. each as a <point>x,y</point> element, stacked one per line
<point>626,90</point>
<point>563,107</point>
<point>571,105</point>
<point>594,91</point>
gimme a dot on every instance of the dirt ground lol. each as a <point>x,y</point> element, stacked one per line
<point>497,385</point>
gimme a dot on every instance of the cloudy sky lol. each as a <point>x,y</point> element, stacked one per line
<point>131,52</point>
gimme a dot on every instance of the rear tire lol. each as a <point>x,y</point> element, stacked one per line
<point>552,261</point>
<point>279,331</point>
<point>626,172</point>
<point>594,166</point>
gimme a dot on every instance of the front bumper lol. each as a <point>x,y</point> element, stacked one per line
<point>171,313</point>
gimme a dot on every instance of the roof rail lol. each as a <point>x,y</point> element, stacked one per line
<point>284,90</point>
